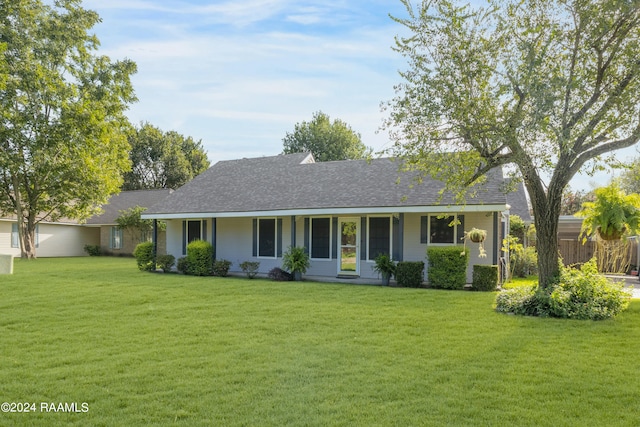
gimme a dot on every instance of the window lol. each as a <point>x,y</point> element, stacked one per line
<point>194,231</point>
<point>15,240</point>
<point>15,237</point>
<point>267,237</point>
<point>379,236</point>
<point>115,240</point>
<point>436,229</point>
<point>320,238</point>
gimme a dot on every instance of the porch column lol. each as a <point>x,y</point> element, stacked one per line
<point>293,231</point>
<point>155,243</point>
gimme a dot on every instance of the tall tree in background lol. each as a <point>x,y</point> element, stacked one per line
<point>163,159</point>
<point>63,147</point>
<point>325,139</point>
<point>572,200</point>
<point>547,86</point>
<point>630,178</point>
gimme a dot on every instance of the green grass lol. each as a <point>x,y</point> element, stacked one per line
<point>153,349</point>
<point>521,281</point>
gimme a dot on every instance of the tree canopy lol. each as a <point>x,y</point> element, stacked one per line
<point>630,178</point>
<point>162,159</point>
<point>325,139</point>
<point>63,145</point>
<point>545,86</point>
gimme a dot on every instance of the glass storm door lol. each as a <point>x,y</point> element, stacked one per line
<point>349,251</point>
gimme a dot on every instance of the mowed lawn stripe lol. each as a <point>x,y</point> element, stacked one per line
<point>155,349</point>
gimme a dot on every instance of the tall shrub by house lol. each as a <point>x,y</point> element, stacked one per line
<point>199,258</point>
<point>447,266</point>
<point>144,256</point>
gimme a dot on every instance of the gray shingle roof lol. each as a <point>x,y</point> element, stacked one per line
<point>283,183</point>
<point>519,204</point>
<point>126,200</point>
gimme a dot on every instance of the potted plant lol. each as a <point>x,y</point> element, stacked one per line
<point>385,267</point>
<point>477,235</point>
<point>611,215</point>
<point>296,261</point>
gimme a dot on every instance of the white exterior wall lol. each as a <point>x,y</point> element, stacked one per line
<point>234,242</point>
<point>55,240</point>
<point>413,250</point>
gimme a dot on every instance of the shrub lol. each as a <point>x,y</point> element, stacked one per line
<point>221,267</point>
<point>579,294</point>
<point>410,274</point>
<point>165,262</point>
<point>447,267</point>
<point>199,258</point>
<point>93,250</point>
<point>183,265</point>
<point>586,294</point>
<point>250,268</point>
<point>524,300</point>
<point>144,256</point>
<point>279,275</point>
<point>485,277</point>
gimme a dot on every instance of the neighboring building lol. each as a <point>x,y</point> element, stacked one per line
<point>116,241</point>
<point>53,239</point>
<point>344,212</point>
<point>68,237</point>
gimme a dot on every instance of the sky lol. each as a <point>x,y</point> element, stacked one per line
<point>239,75</point>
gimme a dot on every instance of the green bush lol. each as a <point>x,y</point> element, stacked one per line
<point>93,250</point>
<point>485,277</point>
<point>199,258</point>
<point>447,266</point>
<point>144,256</point>
<point>183,265</point>
<point>221,267</point>
<point>250,268</point>
<point>579,294</point>
<point>586,294</point>
<point>165,262</point>
<point>409,273</point>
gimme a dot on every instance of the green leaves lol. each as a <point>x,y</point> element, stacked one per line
<point>62,143</point>
<point>325,139</point>
<point>163,159</point>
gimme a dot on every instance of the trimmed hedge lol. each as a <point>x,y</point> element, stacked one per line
<point>410,273</point>
<point>199,258</point>
<point>485,278</point>
<point>144,256</point>
<point>447,266</point>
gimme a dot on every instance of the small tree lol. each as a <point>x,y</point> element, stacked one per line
<point>131,221</point>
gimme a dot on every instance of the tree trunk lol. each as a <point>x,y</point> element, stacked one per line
<point>546,213</point>
<point>26,234</point>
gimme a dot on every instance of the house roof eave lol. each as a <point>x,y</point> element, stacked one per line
<point>332,211</point>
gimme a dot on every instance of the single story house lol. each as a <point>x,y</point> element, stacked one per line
<point>344,213</point>
<point>67,238</point>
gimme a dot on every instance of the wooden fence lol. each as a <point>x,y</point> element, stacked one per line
<point>574,252</point>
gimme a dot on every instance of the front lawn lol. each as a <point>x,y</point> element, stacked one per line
<point>154,349</point>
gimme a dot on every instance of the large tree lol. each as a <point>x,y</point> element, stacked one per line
<point>630,178</point>
<point>325,139</point>
<point>163,159</point>
<point>63,146</point>
<point>548,87</point>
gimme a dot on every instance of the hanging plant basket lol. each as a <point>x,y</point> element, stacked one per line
<point>612,234</point>
<point>476,235</point>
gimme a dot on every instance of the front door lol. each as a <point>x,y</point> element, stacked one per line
<point>349,251</point>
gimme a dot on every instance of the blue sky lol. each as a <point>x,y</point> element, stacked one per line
<point>239,75</point>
